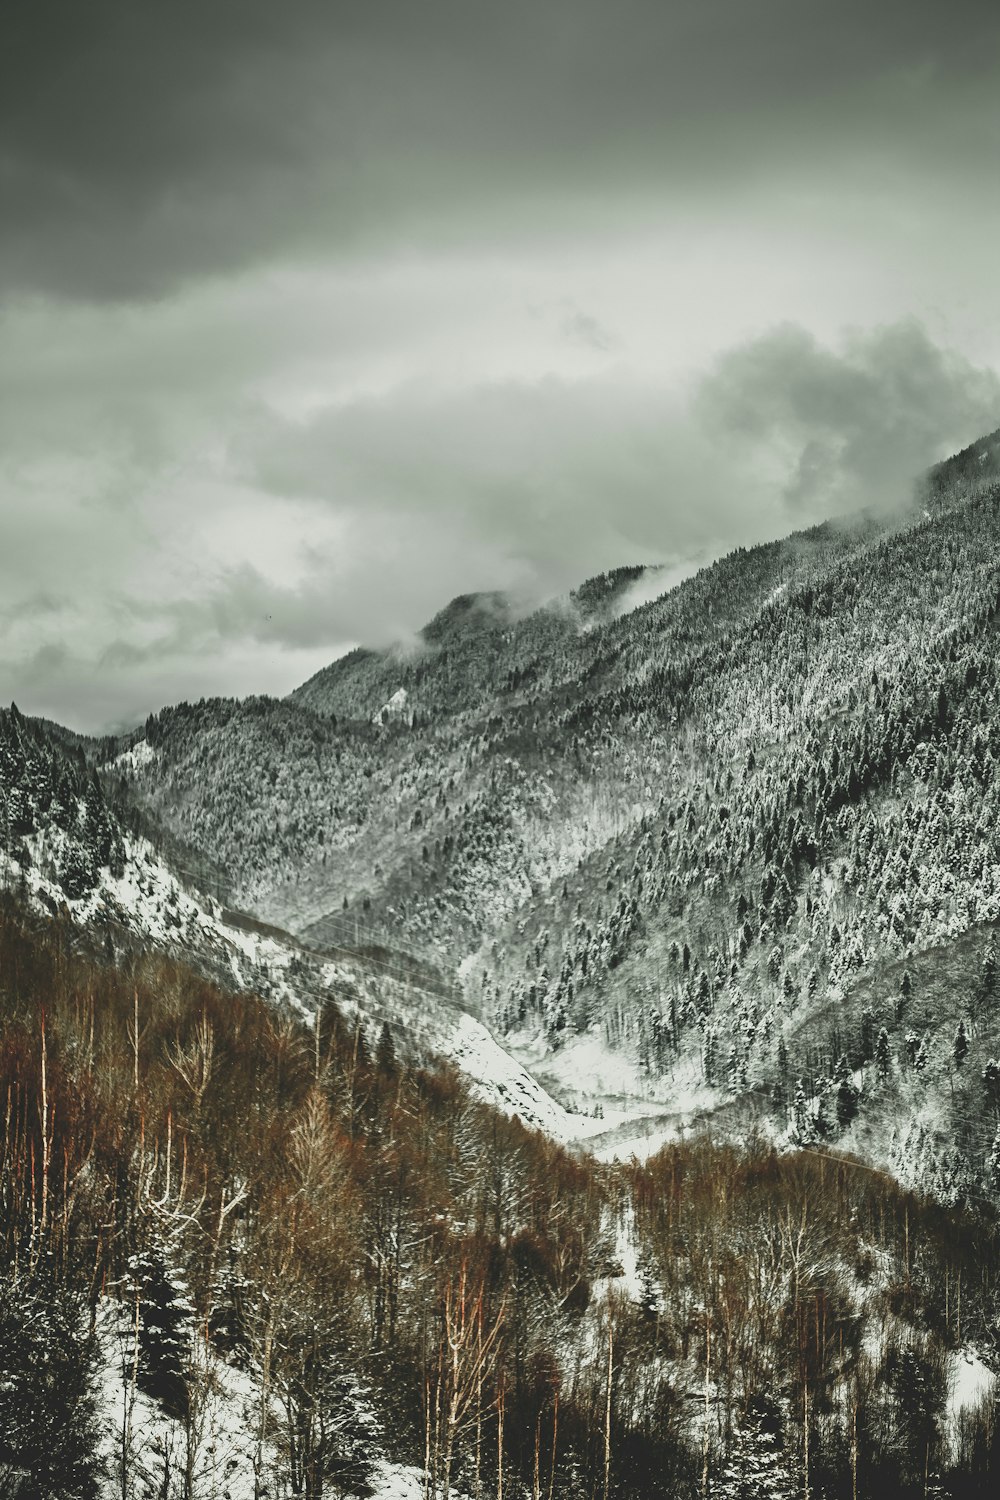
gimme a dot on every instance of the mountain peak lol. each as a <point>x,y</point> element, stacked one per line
<point>490,610</point>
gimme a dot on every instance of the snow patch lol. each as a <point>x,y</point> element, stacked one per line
<point>135,759</point>
<point>396,708</point>
<point>969,1383</point>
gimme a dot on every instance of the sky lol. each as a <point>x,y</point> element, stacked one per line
<point>314,315</point>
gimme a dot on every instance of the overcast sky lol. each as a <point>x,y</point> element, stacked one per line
<point>315,314</point>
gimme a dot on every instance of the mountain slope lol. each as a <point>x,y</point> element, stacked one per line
<point>68,851</point>
<point>244,1255</point>
<point>699,830</point>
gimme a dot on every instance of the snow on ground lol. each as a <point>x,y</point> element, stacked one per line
<point>584,1071</point>
<point>641,1141</point>
<point>218,1446</point>
<point>140,755</point>
<point>627,1253</point>
<point>396,1481</point>
<point>969,1383</point>
<point>391,1481</point>
<point>502,1081</point>
<point>617,1110</point>
<point>394,709</point>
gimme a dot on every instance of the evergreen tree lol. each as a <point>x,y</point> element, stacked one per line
<point>960,1046</point>
<point>883,1056</point>
<point>76,874</point>
<point>993,1165</point>
<point>905,993</point>
<point>165,1326</point>
<point>848,1095</point>
<point>801,1127</point>
<point>385,1051</point>
<point>48,1427</point>
<point>991,1082</point>
<point>756,1467</point>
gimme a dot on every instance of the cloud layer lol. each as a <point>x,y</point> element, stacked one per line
<point>312,316</point>
<point>148,144</point>
<point>242,548</point>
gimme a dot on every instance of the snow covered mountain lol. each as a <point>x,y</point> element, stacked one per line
<point>66,850</point>
<point>712,832</point>
<point>303,1002</point>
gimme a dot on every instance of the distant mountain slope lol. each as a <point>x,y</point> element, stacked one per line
<point>310,803</point>
<point>65,849</point>
<point>479,645</point>
<point>965,473</point>
<point>698,830</point>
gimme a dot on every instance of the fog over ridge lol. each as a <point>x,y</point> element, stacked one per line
<point>315,317</point>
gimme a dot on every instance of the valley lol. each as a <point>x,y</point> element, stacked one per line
<point>563,1056</point>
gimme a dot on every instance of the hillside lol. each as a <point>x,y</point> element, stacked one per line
<point>708,832</point>
<point>281,1215</point>
<point>68,851</point>
<point>244,1254</point>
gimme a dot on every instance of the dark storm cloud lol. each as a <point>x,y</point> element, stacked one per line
<point>314,314</point>
<point>146,143</point>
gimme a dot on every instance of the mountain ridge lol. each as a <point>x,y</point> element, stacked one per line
<point>721,872</point>
<point>639,824</point>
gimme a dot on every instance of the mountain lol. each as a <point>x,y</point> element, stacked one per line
<point>72,851</point>
<point>678,852</point>
<point>328,1027</point>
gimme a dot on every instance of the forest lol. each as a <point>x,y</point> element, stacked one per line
<point>247,1254</point>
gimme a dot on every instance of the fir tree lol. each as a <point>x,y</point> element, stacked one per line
<point>385,1051</point>
<point>756,1467</point>
<point>960,1046</point>
<point>165,1319</point>
<point>883,1056</point>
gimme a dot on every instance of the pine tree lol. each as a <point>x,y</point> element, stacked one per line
<point>385,1051</point>
<point>991,1081</point>
<point>960,1046</point>
<point>756,1467</point>
<point>905,992</point>
<point>993,1165</point>
<point>801,1126</point>
<point>883,1056</point>
<point>48,1427</point>
<point>165,1319</point>
<point>782,1058</point>
<point>848,1095</point>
